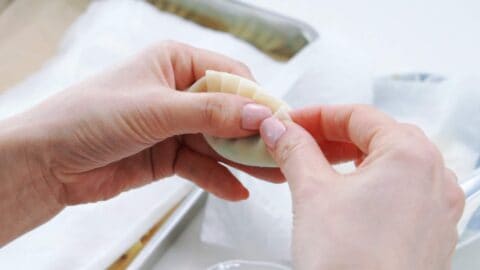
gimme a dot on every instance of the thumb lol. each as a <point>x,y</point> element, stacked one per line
<point>295,151</point>
<point>216,114</point>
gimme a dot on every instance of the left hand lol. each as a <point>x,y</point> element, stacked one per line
<point>130,126</point>
<point>123,129</point>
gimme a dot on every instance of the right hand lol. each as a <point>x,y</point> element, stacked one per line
<point>398,210</point>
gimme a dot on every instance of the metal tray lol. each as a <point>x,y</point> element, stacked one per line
<point>276,35</point>
<point>168,232</point>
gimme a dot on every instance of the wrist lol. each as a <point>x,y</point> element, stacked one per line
<point>27,198</point>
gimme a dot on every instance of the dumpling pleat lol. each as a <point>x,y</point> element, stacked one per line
<point>214,81</point>
<point>247,88</point>
<point>230,83</point>
<point>268,101</point>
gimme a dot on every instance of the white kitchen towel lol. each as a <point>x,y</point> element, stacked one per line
<point>258,228</point>
<point>93,236</point>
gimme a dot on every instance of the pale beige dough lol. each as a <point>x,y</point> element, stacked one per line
<point>249,151</point>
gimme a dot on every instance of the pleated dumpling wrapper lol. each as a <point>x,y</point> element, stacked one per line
<point>251,150</point>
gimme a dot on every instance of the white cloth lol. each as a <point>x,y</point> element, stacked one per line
<point>93,236</point>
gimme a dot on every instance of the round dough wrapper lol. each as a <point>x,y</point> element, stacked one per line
<point>251,150</point>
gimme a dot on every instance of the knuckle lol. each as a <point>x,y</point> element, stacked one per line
<point>430,152</point>
<point>455,198</point>
<point>215,112</point>
<point>163,47</point>
<point>413,146</point>
<point>411,130</point>
<point>304,191</point>
<point>169,44</point>
<point>363,108</point>
<point>416,152</point>
<point>359,110</point>
<point>242,67</point>
<point>288,148</point>
<point>163,119</point>
<point>451,175</point>
<point>238,68</point>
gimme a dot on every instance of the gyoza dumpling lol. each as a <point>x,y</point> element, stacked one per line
<point>251,150</point>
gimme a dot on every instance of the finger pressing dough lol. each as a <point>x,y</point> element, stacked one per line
<point>251,150</point>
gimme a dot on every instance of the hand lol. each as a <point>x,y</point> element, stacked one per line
<point>398,210</point>
<point>123,129</point>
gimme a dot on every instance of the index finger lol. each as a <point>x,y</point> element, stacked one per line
<point>358,124</point>
<point>187,64</point>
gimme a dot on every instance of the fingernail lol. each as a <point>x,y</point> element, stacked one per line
<point>253,115</point>
<point>272,129</point>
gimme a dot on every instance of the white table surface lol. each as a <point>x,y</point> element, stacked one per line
<point>409,35</point>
